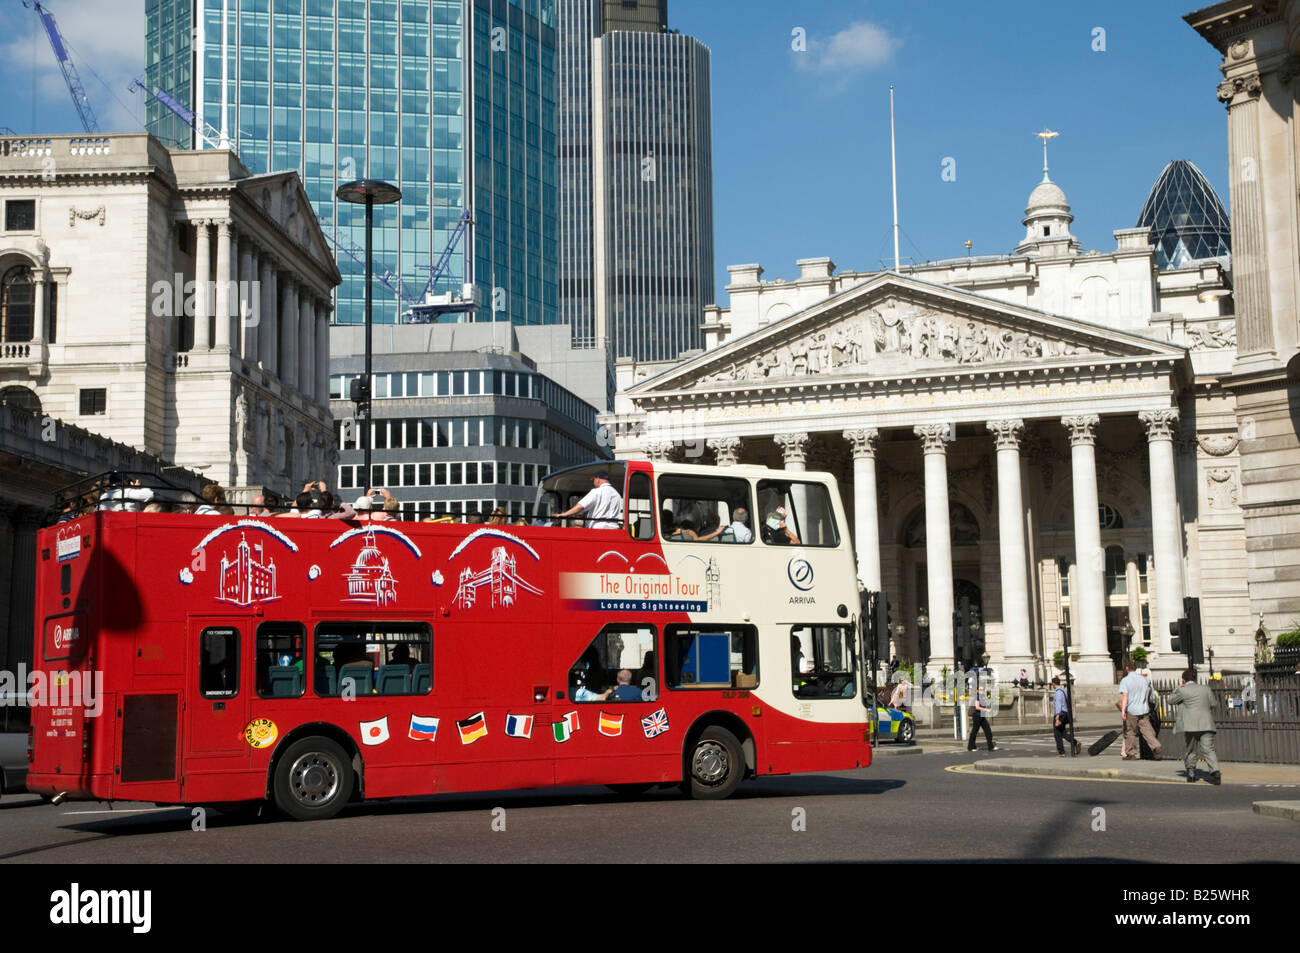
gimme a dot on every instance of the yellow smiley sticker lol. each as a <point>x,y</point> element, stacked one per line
<point>260,733</point>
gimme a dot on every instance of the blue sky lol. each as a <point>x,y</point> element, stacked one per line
<point>801,139</point>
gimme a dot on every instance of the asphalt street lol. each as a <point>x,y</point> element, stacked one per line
<point>910,806</point>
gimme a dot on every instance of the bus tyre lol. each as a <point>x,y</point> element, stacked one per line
<point>313,779</point>
<point>715,766</point>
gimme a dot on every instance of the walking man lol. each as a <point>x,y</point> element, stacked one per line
<point>1195,719</point>
<point>1062,730</point>
<point>1133,693</point>
<point>979,712</point>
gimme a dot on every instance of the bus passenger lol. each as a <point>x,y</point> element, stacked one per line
<point>127,499</point>
<point>602,507</point>
<point>775,531</point>
<point>740,533</point>
<point>684,531</point>
<point>625,691</point>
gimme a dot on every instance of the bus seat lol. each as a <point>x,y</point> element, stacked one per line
<point>394,680</point>
<point>284,681</point>
<point>362,675</point>
<point>423,678</point>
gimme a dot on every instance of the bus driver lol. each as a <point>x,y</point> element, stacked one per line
<point>602,507</point>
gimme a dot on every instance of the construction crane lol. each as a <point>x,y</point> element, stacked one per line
<point>435,304</point>
<point>70,75</point>
<point>387,279</point>
<point>204,130</point>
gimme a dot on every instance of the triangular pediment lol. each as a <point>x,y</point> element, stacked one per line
<point>282,198</point>
<point>893,326</point>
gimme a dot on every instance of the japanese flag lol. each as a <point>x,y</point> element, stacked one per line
<point>374,732</point>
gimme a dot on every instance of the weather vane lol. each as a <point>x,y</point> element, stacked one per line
<point>1045,135</point>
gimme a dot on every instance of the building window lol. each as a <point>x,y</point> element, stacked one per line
<point>20,215</point>
<point>1109,517</point>
<point>94,400</point>
<point>17,305</point>
<point>1116,572</point>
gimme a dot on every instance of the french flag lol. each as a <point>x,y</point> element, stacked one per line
<point>422,728</point>
<point>519,726</point>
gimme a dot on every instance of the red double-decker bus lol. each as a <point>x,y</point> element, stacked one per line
<point>710,637</point>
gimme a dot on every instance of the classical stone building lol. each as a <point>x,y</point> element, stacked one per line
<point>169,301</point>
<point>1043,434</point>
<point>1260,43</point>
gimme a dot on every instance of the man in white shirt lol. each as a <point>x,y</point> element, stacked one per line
<point>740,533</point>
<point>602,507</point>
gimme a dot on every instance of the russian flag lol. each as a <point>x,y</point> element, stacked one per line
<point>519,726</point>
<point>423,728</point>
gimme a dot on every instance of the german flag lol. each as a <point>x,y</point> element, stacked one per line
<point>472,728</point>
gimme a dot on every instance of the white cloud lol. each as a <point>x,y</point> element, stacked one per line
<point>858,47</point>
<point>106,42</point>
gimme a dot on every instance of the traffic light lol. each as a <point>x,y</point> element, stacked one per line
<point>881,633</point>
<point>1186,632</point>
<point>359,391</point>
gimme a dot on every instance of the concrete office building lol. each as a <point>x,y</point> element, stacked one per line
<point>636,194</point>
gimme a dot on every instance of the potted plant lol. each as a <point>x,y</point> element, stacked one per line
<point>1139,656</point>
<point>1287,650</point>
<point>1058,659</point>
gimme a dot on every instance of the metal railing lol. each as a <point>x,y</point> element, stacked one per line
<point>1256,717</point>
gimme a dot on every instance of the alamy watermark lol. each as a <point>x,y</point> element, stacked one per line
<point>57,689</point>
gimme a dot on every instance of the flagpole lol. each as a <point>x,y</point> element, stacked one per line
<point>893,171</point>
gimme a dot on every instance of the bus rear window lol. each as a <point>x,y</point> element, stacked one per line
<point>711,656</point>
<point>373,658</point>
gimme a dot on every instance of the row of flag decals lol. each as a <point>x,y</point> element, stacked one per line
<point>471,729</point>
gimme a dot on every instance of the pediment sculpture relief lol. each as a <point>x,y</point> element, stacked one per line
<point>898,339</point>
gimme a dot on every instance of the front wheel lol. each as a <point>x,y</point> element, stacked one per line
<point>906,732</point>
<point>313,779</point>
<point>715,766</point>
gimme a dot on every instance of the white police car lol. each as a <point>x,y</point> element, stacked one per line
<point>895,724</point>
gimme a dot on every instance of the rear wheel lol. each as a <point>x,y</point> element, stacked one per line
<point>715,766</point>
<point>906,732</point>
<point>313,779</point>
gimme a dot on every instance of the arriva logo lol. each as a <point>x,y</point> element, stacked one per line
<point>800,571</point>
<point>63,638</point>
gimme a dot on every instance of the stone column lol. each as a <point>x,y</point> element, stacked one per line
<point>1249,251</point>
<point>1017,649</point>
<point>322,353</point>
<point>1166,533</point>
<point>306,346</point>
<point>794,447</point>
<point>266,328</point>
<point>866,518</point>
<point>288,331</point>
<point>727,450</point>
<point>938,540</point>
<point>1088,597</point>
<point>250,305</point>
<point>39,330</point>
<point>222,310</point>
<point>202,285</point>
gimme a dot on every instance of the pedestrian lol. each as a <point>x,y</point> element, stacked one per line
<point>1134,691</point>
<point>1195,719</point>
<point>979,713</point>
<point>1062,728</point>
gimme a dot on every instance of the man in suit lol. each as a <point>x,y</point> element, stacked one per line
<point>1195,719</point>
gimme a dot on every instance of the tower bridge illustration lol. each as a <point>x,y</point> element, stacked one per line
<point>500,576</point>
<point>245,579</point>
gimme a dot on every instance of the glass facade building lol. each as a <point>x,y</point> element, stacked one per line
<point>636,194</point>
<point>1187,220</point>
<point>453,101</point>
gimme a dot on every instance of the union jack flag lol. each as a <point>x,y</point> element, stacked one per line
<point>655,724</point>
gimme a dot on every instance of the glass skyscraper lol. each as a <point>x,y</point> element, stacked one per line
<point>453,101</point>
<point>1187,220</point>
<point>636,192</point>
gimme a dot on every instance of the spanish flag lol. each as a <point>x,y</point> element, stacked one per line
<point>611,725</point>
<point>472,728</point>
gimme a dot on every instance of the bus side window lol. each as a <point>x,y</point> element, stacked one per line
<point>219,662</point>
<point>711,656</point>
<point>280,663</point>
<point>640,508</point>
<point>373,658</point>
<point>619,665</point>
<point>822,661</point>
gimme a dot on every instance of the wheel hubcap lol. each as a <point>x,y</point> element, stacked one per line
<point>710,764</point>
<point>313,779</point>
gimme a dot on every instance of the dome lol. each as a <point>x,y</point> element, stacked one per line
<point>370,557</point>
<point>1186,217</point>
<point>1047,194</point>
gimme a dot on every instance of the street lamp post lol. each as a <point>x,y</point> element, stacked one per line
<point>923,650</point>
<point>368,192</point>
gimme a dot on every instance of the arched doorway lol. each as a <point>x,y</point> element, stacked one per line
<point>24,398</point>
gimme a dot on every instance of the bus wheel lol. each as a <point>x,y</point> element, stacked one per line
<point>313,780</point>
<point>716,765</point>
